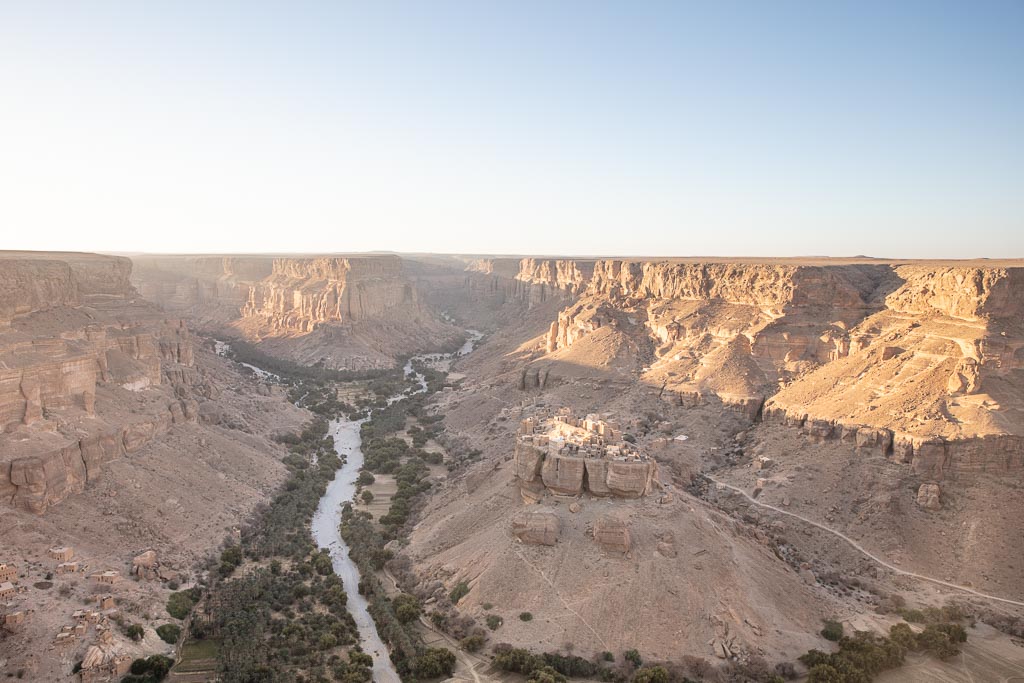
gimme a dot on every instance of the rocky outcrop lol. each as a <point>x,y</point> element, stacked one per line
<point>612,533</point>
<point>301,294</point>
<point>536,528</point>
<point>77,335</point>
<point>59,467</point>
<point>209,287</point>
<point>37,281</point>
<point>929,496</point>
<point>924,362</point>
<point>964,293</point>
<point>538,472</point>
<point>531,281</point>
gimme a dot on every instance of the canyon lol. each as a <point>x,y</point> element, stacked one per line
<point>881,400</point>
<point>344,312</point>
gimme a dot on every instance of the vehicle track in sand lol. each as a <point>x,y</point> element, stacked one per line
<point>861,549</point>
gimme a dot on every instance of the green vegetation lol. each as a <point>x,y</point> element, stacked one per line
<point>180,604</point>
<point>525,616</point>
<point>632,656</point>
<point>494,621</point>
<point>152,669</point>
<point>169,633</point>
<point>407,608</point>
<point>245,352</point>
<point>653,674</point>
<point>434,662</point>
<point>472,643</point>
<point>545,674</point>
<point>199,655</point>
<point>230,559</point>
<point>863,655</point>
<point>367,496</point>
<point>133,631</point>
<point>460,591</point>
<point>522,661</point>
<point>833,630</point>
<point>287,613</point>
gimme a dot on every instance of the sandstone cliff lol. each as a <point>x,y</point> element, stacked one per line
<point>301,294</point>
<point>926,360</point>
<point>350,312</point>
<point>532,281</point>
<point>75,348</point>
<point>31,281</point>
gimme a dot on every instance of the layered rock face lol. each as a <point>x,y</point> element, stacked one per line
<point>31,282</point>
<point>532,281</point>
<point>934,379</point>
<point>75,340</point>
<point>212,288</point>
<point>538,472</point>
<point>301,294</point>
<point>921,361</point>
<point>536,528</point>
<point>346,312</point>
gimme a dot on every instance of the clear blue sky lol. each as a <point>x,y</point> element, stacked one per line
<point>632,128</point>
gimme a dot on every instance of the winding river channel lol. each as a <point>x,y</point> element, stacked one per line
<point>326,525</point>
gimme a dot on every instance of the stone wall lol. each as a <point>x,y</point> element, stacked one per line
<point>538,472</point>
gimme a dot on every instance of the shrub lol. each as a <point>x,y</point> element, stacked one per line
<point>487,606</point>
<point>169,633</point>
<point>434,662</point>
<point>545,674</point>
<point>133,631</point>
<point>407,608</point>
<point>180,604</point>
<point>903,635</point>
<point>460,591</point>
<point>941,640</point>
<point>494,621</point>
<point>571,665</point>
<point>833,630</point>
<point>607,656</point>
<point>230,558</point>
<point>149,670</point>
<point>525,616</point>
<point>633,657</point>
<point>518,660</point>
<point>914,616</point>
<point>653,674</point>
<point>367,496</point>
<point>360,658</point>
<point>472,643</point>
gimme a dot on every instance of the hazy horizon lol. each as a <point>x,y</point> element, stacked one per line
<point>661,130</point>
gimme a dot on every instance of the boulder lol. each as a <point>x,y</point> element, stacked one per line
<point>146,565</point>
<point>536,528</point>
<point>612,534</point>
<point>928,496</point>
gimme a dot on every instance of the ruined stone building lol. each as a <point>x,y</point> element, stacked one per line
<point>563,455</point>
<point>8,573</point>
<point>61,553</point>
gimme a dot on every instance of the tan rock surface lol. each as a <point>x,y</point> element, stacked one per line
<point>612,533</point>
<point>538,528</point>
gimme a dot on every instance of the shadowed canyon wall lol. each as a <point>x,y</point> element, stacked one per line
<point>74,344</point>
